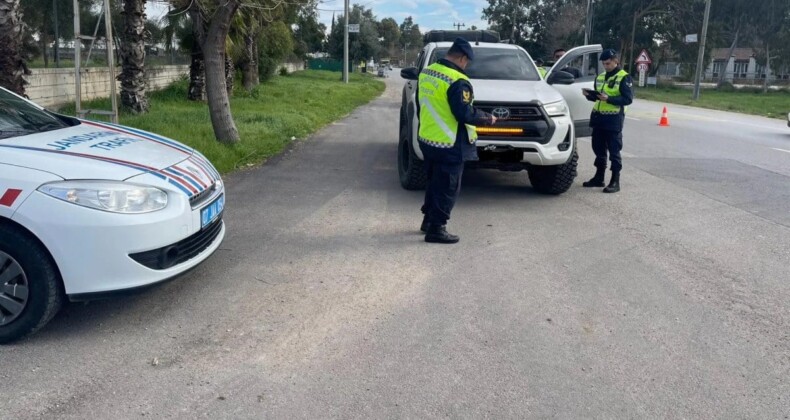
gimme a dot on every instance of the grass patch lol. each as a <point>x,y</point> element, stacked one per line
<point>286,106</point>
<point>773,104</point>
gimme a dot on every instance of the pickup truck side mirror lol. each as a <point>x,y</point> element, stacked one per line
<point>410,73</point>
<point>560,77</point>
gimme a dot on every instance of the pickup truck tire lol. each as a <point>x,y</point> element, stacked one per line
<point>554,179</point>
<point>410,167</point>
<point>31,288</point>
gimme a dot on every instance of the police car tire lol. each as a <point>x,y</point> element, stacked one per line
<point>410,167</point>
<point>554,179</point>
<point>45,294</point>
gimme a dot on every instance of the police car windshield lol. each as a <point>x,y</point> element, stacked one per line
<point>496,64</point>
<point>18,117</point>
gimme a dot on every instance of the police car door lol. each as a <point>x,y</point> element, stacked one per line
<point>585,60</point>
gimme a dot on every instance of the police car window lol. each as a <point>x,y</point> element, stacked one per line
<point>18,117</point>
<point>496,64</point>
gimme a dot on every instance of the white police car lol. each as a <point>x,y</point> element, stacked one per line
<point>88,209</point>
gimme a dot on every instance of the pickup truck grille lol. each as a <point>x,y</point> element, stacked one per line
<point>515,113</point>
<point>529,119</point>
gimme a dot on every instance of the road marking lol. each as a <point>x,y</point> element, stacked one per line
<point>632,118</point>
<point>628,155</point>
<point>781,150</point>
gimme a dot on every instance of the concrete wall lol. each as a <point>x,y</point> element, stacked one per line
<point>292,67</point>
<point>53,87</point>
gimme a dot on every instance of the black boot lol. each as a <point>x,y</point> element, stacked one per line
<point>439,235</point>
<point>597,180</point>
<point>614,183</point>
<point>425,225</point>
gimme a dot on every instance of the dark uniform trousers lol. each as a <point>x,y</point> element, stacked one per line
<point>444,185</point>
<point>607,142</point>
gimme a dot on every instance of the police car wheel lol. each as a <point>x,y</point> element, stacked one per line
<point>410,167</point>
<point>30,286</point>
<point>555,179</point>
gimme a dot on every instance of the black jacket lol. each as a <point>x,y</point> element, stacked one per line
<point>460,96</point>
<point>613,122</point>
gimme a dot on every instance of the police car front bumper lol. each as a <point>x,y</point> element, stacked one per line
<point>93,249</point>
<point>556,151</point>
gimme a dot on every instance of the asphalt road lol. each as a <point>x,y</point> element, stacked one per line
<point>667,300</point>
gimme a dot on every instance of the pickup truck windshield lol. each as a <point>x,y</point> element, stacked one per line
<point>496,64</point>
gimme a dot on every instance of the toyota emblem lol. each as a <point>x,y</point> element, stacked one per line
<point>501,113</point>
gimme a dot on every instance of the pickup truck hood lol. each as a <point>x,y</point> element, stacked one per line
<point>514,91</point>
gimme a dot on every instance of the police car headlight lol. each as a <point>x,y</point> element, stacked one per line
<point>116,197</point>
<point>556,109</point>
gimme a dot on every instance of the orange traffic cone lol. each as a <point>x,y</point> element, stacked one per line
<point>664,122</point>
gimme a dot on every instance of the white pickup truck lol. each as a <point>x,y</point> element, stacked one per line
<point>538,120</point>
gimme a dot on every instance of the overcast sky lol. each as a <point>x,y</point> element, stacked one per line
<point>429,14</point>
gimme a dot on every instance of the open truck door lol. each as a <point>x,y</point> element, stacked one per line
<point>582,64</point>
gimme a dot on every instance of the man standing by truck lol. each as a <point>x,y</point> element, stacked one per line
<point>447,135</point>
<point>611,95</point>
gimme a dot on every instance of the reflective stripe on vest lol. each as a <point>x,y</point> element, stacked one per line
<point>438,126</point>
<point>603,86</point>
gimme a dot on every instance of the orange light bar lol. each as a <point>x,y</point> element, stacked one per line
<point>498,130</point>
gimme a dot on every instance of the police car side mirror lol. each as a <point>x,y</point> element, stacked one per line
<point>560,77</point>
<point>410,73</point>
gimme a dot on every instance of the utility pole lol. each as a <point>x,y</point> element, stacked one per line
<point>588,24</point>
<point>701,55</point>
<point>345,44</point>
<point>57,32</point>
<point>458,26</point>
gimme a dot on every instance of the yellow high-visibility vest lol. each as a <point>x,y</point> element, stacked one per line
<point>438,126</point>
<point>612,89</point>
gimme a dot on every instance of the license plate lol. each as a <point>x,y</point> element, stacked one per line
<point>211,212</point>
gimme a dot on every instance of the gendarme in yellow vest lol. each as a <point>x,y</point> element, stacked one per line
<point>603,86</point>
<point>438,126</point>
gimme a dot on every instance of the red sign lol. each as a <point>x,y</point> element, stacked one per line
<point>642,67</point>
<point>643,58</point>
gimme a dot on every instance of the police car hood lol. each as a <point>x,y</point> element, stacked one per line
<point>500,91</point>
<point>94,151</point>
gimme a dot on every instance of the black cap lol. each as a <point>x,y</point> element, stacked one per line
<point>608,54</point>
<point>462,46</point>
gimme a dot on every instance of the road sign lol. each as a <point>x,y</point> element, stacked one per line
<point>642,67</point>
<point>642,74</point>
<point>691,38</point>
<point>643,58</point>
<point>353,28</point>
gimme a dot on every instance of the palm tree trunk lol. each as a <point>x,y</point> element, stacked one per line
<point>12,65</point>
<point>197,66</point>
<point>249,65</point>
<point>132,53</point>
<point>216,89</point>
<point>197,75</point>
<point>230,73</point>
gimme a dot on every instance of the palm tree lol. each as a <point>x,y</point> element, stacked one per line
<point>132,54</point>
<point>12,64</point>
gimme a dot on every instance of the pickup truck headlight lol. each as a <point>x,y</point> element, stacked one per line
<point>112,196</point>
<point>557,109</point>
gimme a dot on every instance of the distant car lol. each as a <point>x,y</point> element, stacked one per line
<point>89,209</point>
<point>382,72</point>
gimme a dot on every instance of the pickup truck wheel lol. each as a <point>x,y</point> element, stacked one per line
<point>554,179</point>
<point>30,286</point>
<point>410,167</point>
